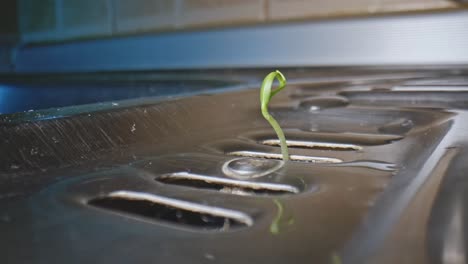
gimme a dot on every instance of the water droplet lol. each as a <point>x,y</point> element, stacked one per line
<point>247,168</point>
<point>133,128</point>
<point>322,102</point>
<point>400,126</point>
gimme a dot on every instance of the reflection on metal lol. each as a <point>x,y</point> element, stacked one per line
<point>453,251</point>
<point>42,94</point>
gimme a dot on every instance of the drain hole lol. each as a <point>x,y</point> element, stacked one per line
<point>226,185</point>
<point>312,145</point>
<point>346,138</point>
<point>172,210</point>
<point>298,158</point>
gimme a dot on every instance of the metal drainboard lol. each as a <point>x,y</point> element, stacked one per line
<point>175,188</point>
<point>225,186</point>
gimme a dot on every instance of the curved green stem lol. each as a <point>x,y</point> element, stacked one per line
<point>265,96</point>
<point>274,227</point>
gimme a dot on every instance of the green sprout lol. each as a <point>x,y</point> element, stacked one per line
<point>279,219</point>
<point>274,227</point>
<point>265,96</point>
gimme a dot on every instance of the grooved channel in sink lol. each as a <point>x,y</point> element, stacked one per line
<point>312,145</point>
<point>172,210</point>
<point>351,138</point>
<point>298,158</point>
<point>227,185</point>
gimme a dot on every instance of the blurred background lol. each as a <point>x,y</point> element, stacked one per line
<point>171,24</point>
<point>62,20</point>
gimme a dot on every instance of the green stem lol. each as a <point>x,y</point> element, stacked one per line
<point>274,227</point>
<point>265,96</point>
<point>279,133</point>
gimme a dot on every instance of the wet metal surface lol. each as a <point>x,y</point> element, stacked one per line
<point>376,175</point>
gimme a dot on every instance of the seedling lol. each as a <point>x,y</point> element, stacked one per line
<point>275,224</point>
<point>279,219</point>
<point>265,96</point>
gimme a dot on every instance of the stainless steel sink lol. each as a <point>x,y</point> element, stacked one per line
<point>376,175</point>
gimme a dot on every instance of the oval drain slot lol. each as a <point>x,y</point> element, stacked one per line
<point>312,145</point>
<point>347,138</point>
<point>172,210</point>
<point>226,185</point>
<point>298,158</point>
